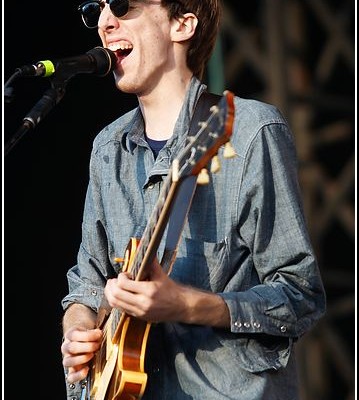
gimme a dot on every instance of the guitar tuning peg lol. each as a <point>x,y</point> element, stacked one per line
<point>202,124</point>
<point>215,164</point>
<point>229,151</point>
<point>203,177</point>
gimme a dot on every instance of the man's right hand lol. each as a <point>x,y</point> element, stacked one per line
<point>78,348</point>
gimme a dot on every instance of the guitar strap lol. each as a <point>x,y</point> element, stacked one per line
<point>188,186</point>
<point>202,110</point>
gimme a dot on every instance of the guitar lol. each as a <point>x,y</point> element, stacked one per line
<point>117,370</point>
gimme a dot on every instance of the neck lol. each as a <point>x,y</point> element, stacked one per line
<point>161,107</point>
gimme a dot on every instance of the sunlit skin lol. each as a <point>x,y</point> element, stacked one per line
<point>156,72</point>
<point>156,69</point>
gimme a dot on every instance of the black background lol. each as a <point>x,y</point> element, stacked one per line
<point>45,178</point>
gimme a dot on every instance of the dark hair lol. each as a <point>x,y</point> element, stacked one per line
<point>209,13</point>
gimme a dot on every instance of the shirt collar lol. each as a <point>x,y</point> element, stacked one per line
<point>134,131</point>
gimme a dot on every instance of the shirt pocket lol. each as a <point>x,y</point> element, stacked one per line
<point>201,264</point>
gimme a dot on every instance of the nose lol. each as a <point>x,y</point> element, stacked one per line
<point>107,20</point>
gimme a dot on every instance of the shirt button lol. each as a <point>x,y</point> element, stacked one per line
<point>247,324</point>
<point>257,325</point>
<point>94,292</point>
<point>238,324</point>
<point>72,386</point>
<point>283,328</point>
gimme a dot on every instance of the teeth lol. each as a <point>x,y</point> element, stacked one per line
<point>120,46</point>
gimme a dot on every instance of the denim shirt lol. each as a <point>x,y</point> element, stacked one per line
<point>245,238</point>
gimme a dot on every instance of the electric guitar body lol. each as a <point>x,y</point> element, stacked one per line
<point>118,371</point>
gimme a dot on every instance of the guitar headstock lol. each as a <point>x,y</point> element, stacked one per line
<point>203,147</point>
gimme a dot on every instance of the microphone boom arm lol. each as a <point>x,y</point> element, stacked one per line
<point>48,101</point>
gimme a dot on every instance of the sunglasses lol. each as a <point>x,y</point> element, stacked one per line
<point>91,10</point>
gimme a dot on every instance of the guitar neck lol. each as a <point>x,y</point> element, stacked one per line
<point>155,228</point>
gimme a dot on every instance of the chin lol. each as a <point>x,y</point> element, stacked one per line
<point>120,82</point>
<point>126,88</point>
<point>126,85</point>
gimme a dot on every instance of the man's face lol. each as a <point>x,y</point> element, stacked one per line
<point>142,42</point>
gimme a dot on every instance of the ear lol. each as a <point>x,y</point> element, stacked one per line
<point>184,27</point>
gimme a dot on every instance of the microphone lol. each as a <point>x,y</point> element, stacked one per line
<point>99,61</point>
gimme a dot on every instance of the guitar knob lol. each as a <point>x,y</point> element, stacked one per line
<point>229,151</point>
<point>203,177</point>
<point>215,164</point>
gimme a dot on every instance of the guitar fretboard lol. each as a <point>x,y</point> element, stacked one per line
<point>152,231</point>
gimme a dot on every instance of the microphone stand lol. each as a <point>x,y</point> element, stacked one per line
<point>49,100</point>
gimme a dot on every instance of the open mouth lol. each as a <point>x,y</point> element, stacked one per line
<point>121,48</point>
